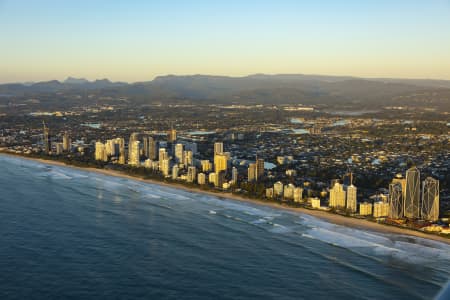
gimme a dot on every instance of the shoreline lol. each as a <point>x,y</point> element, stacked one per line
<point>336,219</point>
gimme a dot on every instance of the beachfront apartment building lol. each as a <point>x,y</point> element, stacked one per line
<point>220,162</point>
<point>365,209</point>
<point>351,198</point>
<point>337,196</point>
<point>380,209</point>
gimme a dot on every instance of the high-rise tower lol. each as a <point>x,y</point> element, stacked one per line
<point>234,176</point>
<point>133,138</point>
<point>218,148</point>
<point>251,172</point>
<point>259,172</point>
<point>395,200</point>
<point>351,198</point>
<point>66,142</point>
<point>152,148</point>
<point>179,153</point>
<point>46,139</point>
<point>134,157</point>
<point>171,135</point>
<point>220,162</point>
<point>337,196</point>
<point>430,199</point>
<point>145,146</point>
<point>412,200</point>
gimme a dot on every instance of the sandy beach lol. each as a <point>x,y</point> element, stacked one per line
<point>330,217</point>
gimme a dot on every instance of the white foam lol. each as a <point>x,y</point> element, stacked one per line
<point>259,221</point>
<point>277,228</point>
<point>53,174</point>
<point>408,249</point>
<point>152,196</point>
<point>238,207</point>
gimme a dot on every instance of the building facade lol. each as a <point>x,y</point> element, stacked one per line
<point>337,196</point>
<point>395,201</point>
<point>411,208</point>
<point>430,199</point>
<point>351,198</point>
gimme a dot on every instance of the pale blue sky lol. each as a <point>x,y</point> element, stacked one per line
<point>138,40</point>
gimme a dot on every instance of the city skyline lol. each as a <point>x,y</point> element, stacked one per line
<point>257,149</point>
<point>138,41</point>
<point>406,199</point>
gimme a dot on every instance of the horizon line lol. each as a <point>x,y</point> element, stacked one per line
<point>30,82</point>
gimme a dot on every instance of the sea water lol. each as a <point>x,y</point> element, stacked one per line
<point>74,234</point>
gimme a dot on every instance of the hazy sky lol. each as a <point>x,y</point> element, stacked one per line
<point>138,40</point>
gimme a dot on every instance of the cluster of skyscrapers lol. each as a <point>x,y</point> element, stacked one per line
<point>60,148</point>
<point>175,159</point>
<point>410,198</point>
<point>111,148</point>
<point>343,196</point>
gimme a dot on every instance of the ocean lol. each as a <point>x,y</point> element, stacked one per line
<point>73,234</point>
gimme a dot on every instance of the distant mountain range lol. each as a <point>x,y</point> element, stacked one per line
<point>282,88</point>
<point>56,86</point>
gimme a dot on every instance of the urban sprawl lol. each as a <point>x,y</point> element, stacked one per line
<point>222,161</point>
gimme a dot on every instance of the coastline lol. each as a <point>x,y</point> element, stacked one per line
<point>323,215</point>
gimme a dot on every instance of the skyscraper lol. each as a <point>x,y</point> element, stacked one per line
<point>337,196</point>
<point>66,141</point>
<point>134,157</point>
<point>162,156</point>
<point>46,139</point>
<point>430,199</point>
<point>234,176</point>
<point>251,172</point>
<point>402,181</point>
<point>192,174</point>
<point>145,146</point>
<point>351,198</point>
<point>100,152</point>
<point>152,148</point>
<point>121,143</point>
<point>179,153</point>
<point>110,147</point>
<point>395,200</point>
<point>218,148</point>
<point>171,135</point>
<point>133,137</point>
<point>412,201</point>
<point>188,158</point>
<point>259,171</point>
<point>165,167</point>
<point>220,162</point>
